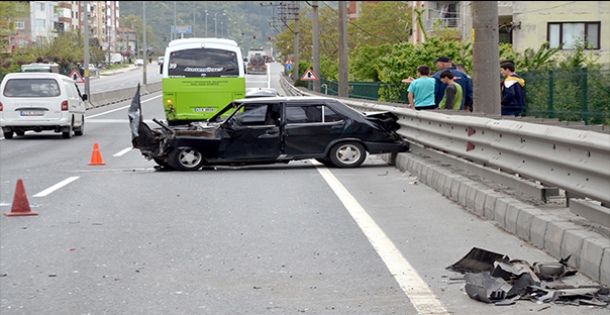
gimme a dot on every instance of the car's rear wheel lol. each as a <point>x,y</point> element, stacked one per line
<point>8,134</point>
<point>67,131</point>
<point>79,131</point>
<point>347,154</point>
<point>20,133</point>
<point>186,159</point>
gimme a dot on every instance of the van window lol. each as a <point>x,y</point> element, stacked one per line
<point>70,90</point>
<point>31,88</point>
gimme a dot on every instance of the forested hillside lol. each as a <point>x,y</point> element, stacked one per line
<point>237,20</point>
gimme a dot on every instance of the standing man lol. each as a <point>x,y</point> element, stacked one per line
<point>444,63</point>
<point>513,90</point>
<point>421,90</point>
<point>453,92</point>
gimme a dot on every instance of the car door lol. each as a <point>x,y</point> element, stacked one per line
<point>252,135</point>
<point>310,128</point>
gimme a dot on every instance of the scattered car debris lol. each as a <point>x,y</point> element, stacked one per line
<point>496,279</point>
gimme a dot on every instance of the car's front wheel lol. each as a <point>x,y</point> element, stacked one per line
<point>186,159</point>
<point>347,154</point>
<point>8,134</point>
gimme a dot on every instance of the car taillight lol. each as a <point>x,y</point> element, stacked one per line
<point>64,105</point>
<point>0,107</point>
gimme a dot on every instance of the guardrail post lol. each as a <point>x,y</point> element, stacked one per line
<point>551,113</point>
<point>583,89</point>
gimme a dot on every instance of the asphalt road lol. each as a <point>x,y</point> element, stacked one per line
<point>125,238</point>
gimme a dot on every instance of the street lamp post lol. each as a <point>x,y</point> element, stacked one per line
<point>221,31</point>
<point>206,23</point>
<point>216,22</point>
<point>145,46</point>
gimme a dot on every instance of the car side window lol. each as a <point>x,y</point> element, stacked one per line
<point>298,114</point>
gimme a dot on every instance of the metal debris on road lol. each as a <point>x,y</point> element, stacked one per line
<point>496,279</point>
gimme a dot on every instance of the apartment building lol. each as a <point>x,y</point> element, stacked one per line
<point>43,20</point>
<point>528,24</point>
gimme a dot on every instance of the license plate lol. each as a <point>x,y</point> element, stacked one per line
<point>32,113</point>
<point>204,109</point>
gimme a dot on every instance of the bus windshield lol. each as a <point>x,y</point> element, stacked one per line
<point>200,77</point>
<point>202,63</point>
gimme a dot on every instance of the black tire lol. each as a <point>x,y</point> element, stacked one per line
<point>67,133</point>
<point>79,131</point>
<point>8,134</point>
<point>347,154</point>
<point>186,159</point>
<point>20,133</point>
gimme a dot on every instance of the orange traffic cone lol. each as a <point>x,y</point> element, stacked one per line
<point>21,206</point>
<point>96,157</point>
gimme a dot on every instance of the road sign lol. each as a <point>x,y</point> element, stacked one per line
<point>182,29</point>
<point>288,61</point>
<point>309,75</point>
<point>75,75</point>
<point>288,66</point>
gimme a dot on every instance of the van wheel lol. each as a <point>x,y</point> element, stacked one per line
<point>67,132</point>
<point>347,154</point>
<point>186,159</point>
<point>78,131</point>
<point>20,133</point>
<point>8,134</point>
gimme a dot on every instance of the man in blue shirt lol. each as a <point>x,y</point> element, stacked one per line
<point>444,63</point>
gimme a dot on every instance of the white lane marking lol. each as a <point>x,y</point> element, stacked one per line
<point>56,186</point>
<point>120,108</point>
<point>122,152</point>
<point>117,121</point>
<point>410,282</point>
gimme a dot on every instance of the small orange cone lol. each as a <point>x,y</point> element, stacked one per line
<point>96,157</point>
<point>21,206</point>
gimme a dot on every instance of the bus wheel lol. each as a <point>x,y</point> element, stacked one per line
<point>186,159</point>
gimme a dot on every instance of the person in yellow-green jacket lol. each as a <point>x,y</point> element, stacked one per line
<point>513,90</point>
<point>453,93</point>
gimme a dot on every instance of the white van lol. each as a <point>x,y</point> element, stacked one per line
<point>41,101</point>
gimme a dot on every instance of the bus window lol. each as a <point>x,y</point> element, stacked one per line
<point>203,63</point>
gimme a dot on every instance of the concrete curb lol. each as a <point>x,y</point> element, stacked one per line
<point>555,234</point>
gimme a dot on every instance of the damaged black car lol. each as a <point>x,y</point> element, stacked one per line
<point>269,130</point>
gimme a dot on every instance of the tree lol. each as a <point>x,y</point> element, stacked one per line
<point>384,22</point>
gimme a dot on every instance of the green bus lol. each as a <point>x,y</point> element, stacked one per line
<point>200,77</point>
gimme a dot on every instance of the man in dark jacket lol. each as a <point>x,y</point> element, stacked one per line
<point>444,63</point>
<point>513,90</point>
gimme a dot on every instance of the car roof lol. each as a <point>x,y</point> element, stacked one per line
<point>25,75</point>
<point>288,98</point>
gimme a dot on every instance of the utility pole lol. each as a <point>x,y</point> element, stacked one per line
<point>295,71</point>
<point>343,79</point>
<point>144,45</point>
<point>86,39</point>
<point>485,57</point>
<point>316,50</point>
<point>174,28</point>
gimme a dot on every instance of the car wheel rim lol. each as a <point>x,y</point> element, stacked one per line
<point>190,158</point>
<point>348,154</point>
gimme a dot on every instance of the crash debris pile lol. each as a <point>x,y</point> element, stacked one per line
<point>495,278</point>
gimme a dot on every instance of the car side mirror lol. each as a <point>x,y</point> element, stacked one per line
<point>85,97</point>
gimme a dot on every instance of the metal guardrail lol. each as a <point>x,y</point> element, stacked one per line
<point>576,161</point>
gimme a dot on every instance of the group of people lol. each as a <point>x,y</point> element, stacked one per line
<point>451,88</point>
